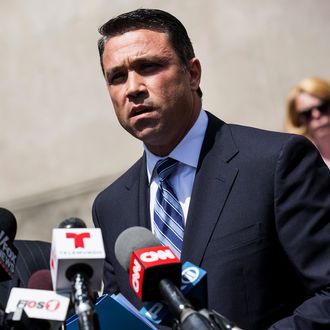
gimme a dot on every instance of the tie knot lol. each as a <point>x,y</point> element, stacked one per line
<point>165,167</point>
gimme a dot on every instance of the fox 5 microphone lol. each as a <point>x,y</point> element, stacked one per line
<point>77,258</point>
<point>155,274</point>
<point>8,252</point>
<point>37,307</point>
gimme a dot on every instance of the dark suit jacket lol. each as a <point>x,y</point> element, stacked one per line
<point>258,223</point>
<point>32,256</point>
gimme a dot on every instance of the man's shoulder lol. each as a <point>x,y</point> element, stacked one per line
<point>257,136</point>
<point>256,142</point>
<point>260,141</point>
<point>247,133</point>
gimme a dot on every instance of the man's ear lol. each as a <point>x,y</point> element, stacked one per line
<point>195,70</point>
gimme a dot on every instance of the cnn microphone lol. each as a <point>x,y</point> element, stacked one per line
<point>8,252</point>
<point>154,270</point>
<point>155,274</point>
<point>140,253</point>
<point>77,258</point>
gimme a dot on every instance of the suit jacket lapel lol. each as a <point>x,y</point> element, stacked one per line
<point>214,178</point>
<point>144,196</point>
<point>138,187</point>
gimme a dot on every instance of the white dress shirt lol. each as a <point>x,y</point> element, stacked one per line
<point>187,153</point>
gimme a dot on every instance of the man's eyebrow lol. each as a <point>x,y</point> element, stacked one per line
<point>136,62</point>
<point>160,59</point>
<point>109,73</point>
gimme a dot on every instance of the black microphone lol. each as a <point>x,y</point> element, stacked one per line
<point>152,269</point>
<point>72,222</point>
<point>8,252</point>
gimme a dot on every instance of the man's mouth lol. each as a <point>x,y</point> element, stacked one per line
<point>139,110</point>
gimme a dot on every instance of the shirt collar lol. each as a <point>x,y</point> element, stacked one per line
<point>192,142</point>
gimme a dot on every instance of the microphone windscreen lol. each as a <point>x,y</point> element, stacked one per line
<point>8,223</point>
<point>72,223</point>
<point>132,239</point>
<point>41,280</point>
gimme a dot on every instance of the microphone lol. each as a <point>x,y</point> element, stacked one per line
<point>77,258</point>
<point>37,307</point>
<point>140,253</point>
<point>8,252</point>
<point>194,288</point>
<point>72,223</point>
<point>41,280</point>
<point>153,274</point>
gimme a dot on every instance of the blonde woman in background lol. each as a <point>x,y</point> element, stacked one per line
<point>308,113</point>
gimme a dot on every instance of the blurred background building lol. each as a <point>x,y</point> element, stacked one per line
<point>60,143</point>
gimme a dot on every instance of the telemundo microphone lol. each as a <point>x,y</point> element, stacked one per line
<point>155,274</point>
<point>8,252</point>
<point>76,263</point>
<point>37,307</point>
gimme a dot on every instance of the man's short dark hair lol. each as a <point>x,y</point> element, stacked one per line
<point>150,19</point>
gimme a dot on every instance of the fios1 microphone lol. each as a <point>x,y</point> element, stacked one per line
<point>36,309</point>
<point>77,258</point>
<point>8,252</point>
<point>162,282</point>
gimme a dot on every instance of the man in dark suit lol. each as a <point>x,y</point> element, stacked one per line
<point>255,204</point>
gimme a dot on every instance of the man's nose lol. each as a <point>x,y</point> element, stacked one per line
<point>135,84</point>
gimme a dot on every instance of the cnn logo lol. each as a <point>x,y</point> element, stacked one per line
<point>152,256</point>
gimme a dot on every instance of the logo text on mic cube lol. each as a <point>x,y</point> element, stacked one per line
<point>153,256</point>
<point>136,275</point>
<point>156,255</point>
<point>78,239</point>
<point>50,305</point>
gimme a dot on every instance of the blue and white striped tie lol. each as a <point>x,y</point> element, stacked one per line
<point>168,214</point>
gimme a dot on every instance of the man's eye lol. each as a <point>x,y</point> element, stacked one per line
<point>117,78</point>
<point>149,67</point>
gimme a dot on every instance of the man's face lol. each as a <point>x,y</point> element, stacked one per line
<point>154,97</point>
